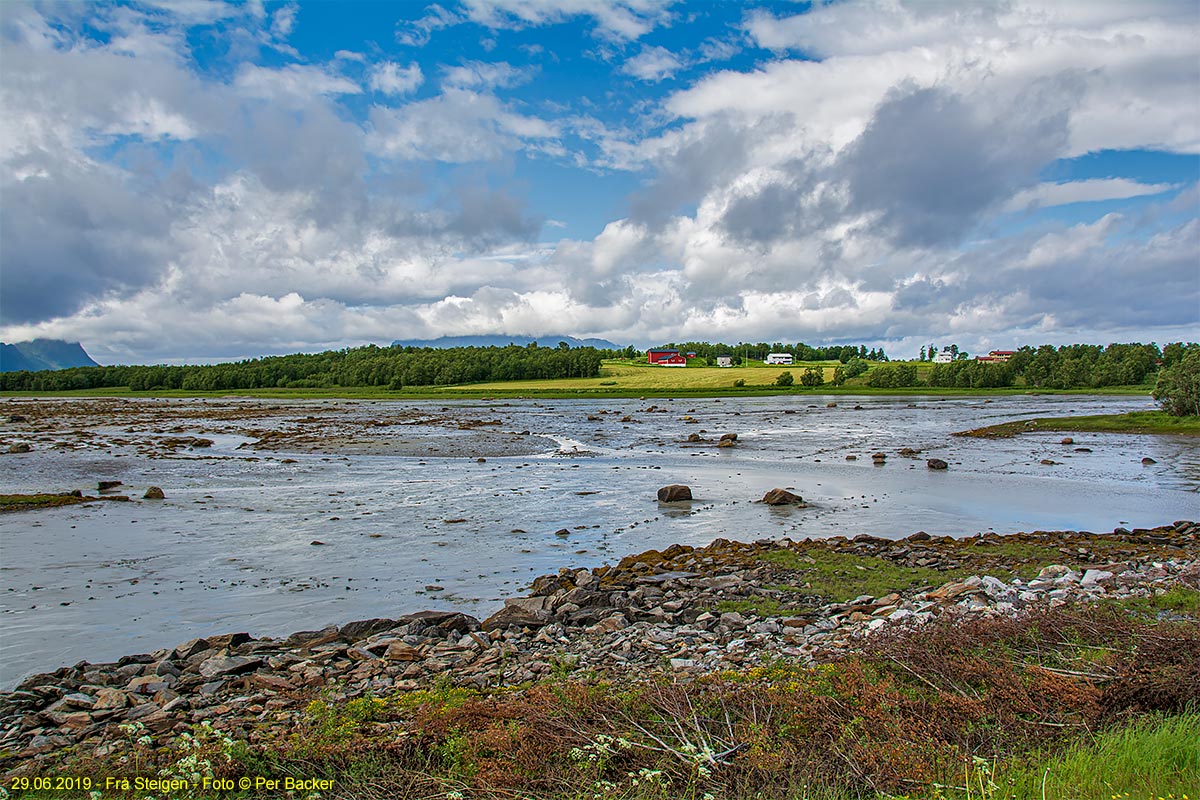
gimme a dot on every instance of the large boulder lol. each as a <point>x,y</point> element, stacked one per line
<point>444,621</point>
<point>362,628</point>
<point>154,493</point>
<point>674,493</point>
<point>523,612</point>
<point>936,463</point>
<point>782,497</point>
<point>229,665</point>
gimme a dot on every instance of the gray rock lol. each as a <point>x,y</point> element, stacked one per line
<point>229,665</point>
<point>362,628</point>
<point>445,621</point>
<point>139,712</point>
<point>994,587</point>
<point>78,700</point>
<point>523,612</point>
<point>1094,577</point>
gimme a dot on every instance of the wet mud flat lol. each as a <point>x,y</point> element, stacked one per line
<point>165,428</point>
<point>284,516</point>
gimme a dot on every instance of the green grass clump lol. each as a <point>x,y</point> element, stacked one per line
<point>839,577</point>
<point>22,502</point>
<point>1134,422</point>
<point>1155,757</point>
<point>843,576</point>
<point>1179,600</point>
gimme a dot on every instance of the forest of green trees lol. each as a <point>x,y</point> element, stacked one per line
<point>394,367</point>
<point>758,352</point>
<point>1068,367</point>
<point>1077,366</point>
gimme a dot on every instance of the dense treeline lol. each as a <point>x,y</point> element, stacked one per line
<point>758,352</point>
<point>1075,366</point>
<point>1078,366</point>
<point>893,376</point>
<point>1088,365</point>
<point>972,374</point>
<point>394,367</point>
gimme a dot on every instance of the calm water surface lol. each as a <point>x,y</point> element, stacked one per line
<point>230,548</point>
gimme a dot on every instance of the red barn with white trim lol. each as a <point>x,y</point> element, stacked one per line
<point>660,354</point>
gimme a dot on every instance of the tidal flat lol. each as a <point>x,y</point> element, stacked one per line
<point>280,516</point>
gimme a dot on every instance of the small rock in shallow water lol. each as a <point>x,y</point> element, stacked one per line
<point>674,493</point>
<point>782,497</point>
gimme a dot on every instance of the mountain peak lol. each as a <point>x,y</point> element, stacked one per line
<point>502,341</point>
<point>42,354</point>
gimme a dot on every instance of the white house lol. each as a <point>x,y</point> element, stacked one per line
<point>779,358</point>
<point>724,361</point>
<point>944,357</point>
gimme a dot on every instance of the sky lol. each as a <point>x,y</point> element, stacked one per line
<point>199,180</point>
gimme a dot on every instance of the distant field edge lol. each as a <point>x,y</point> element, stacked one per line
<point>1150,422</point>
<point>534,391</point>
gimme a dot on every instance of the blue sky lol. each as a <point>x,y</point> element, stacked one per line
<point>198,180</point>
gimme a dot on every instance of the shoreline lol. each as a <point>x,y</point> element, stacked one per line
<point>684,612</point>
<point>469,392</point>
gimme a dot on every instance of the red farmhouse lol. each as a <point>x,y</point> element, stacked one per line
<point>658,355</point>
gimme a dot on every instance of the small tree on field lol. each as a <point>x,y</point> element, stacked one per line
<point>813,376</point>
<point>839,376</point>
<point>856,367</point>
<point>1178,387</point>
<point>785,379</point>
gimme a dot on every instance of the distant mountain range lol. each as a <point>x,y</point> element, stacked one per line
<point>43,354</point>
<point>501,341</point>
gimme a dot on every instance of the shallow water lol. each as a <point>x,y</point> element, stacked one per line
<point>231,546</point>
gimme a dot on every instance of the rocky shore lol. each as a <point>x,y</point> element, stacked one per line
<point>683,611</point>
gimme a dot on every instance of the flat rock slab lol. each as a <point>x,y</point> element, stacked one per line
<point>229,665</point>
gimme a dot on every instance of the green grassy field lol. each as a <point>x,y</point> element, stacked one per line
<point>1133,422</point>
<point>617,379</point>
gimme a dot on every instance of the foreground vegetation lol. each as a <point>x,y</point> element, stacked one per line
<point>1073,703</point>
<point>1158,422</point>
